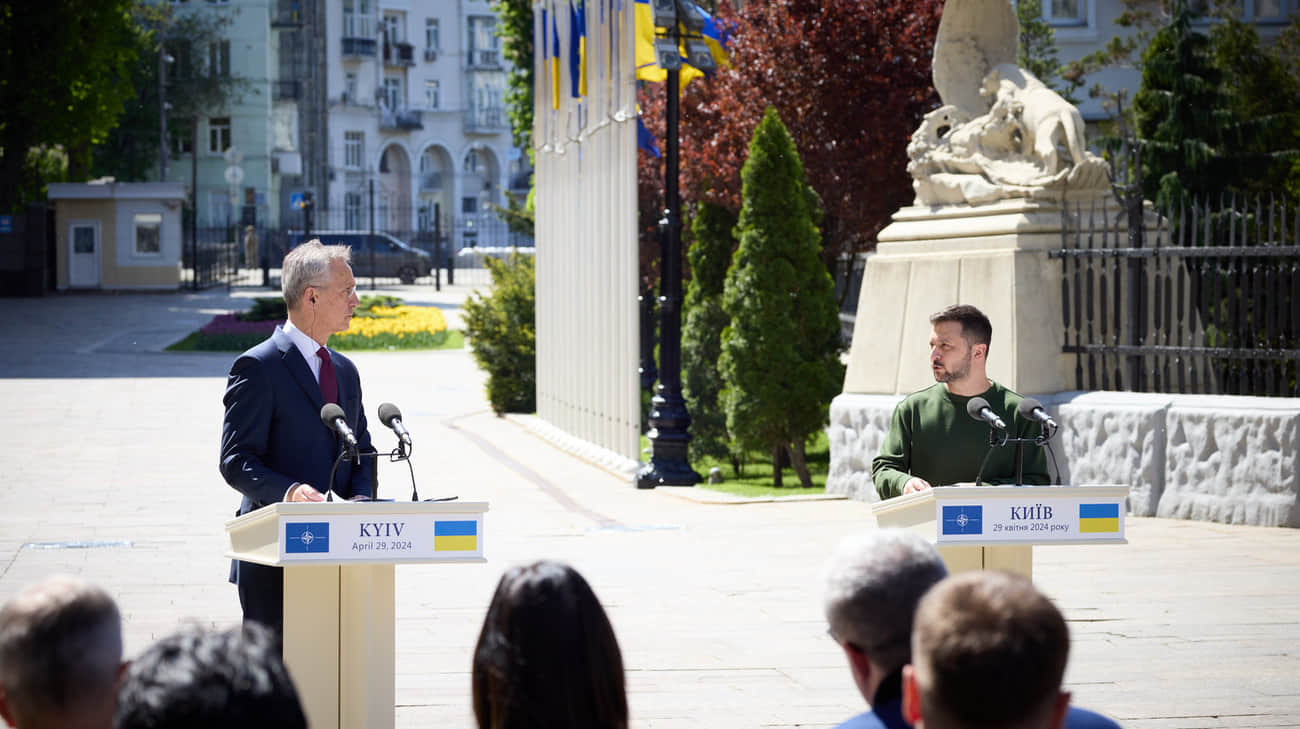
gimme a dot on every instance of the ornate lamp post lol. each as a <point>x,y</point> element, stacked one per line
<point>675,21</point>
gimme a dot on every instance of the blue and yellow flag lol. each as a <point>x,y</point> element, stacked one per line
<point>647,66</point>
<point>577,49</point>
<point>1099,518</point>
<point>645,140</point>
<point>553,60</point>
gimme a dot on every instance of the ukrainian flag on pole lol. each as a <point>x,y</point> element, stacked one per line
<point>577,49</point>
<point>647,67</point>
<point>553,61</point>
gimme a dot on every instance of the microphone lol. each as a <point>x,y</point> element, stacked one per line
<point>332,416</point>
<point>1031,409</point>
<point>392,417</point>
<point>978,408</point>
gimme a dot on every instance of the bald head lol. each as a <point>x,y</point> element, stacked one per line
<point>60,655</point>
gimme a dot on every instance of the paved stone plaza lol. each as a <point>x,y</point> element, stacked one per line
<point>111,454</point>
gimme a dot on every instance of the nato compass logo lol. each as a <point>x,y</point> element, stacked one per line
<point>963,519</point>
<point>307,538</point>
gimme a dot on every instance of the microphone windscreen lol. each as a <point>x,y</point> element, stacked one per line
<point>388,412</point>
<point>1027,407</point>
<point>330,413</point>
<point>974,406</point>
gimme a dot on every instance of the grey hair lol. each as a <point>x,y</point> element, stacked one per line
<point>874,582</point>
<point>307,265</point>
<point>60,647</point>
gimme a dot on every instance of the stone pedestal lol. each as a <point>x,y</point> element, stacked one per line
<point>992,256</point>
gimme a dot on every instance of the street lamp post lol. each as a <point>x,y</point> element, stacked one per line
<point>670,422</point>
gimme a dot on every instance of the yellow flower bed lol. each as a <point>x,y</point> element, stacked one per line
<point>404,327</point>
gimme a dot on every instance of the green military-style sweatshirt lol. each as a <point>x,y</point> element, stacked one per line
<point>932,436</point>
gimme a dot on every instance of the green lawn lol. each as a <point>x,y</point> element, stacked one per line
<point>756,478</point>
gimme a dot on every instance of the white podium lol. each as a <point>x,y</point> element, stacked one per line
<point>995,527</point>
<point>338,560</point>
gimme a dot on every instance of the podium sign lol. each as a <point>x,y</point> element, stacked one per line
<point>995,527</point>
<point>382,538</point>
<point>1030,515</point>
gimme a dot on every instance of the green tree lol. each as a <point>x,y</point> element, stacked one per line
<point>780,353</point>
<point>702,328</point>
<point>129,151</point>
<point>516,31</point>
<point>502,328</point>
<point>65,73</point>
<point>1037,52</point>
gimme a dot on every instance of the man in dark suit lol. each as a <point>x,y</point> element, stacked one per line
<point>274,446</point>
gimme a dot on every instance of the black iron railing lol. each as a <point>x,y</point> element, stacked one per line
<point>1207,302</point>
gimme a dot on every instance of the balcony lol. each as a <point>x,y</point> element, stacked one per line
<point>431,182</point>
<point>487,120</point>
<point>359,47</point>
<point>480,58</point>
<point>401,119</point>
<point>284,90</point>
<point>399,54</point>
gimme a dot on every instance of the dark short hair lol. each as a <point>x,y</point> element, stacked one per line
<point>547,655</point>
<point>202,679</point>
<point>60,649</point>
<point>989,650</point>
<point>975,327</point>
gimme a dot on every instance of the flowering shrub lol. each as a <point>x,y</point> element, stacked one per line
<point>376,327</point>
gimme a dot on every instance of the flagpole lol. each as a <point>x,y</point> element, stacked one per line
<point>669,419</point>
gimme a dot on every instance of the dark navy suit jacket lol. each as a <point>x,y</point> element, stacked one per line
<point>272,436</point>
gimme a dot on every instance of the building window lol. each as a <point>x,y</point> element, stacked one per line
<point>483,41</point>
<point>83,239</point>
<point>148,234</point>
<point>1065,12</point>
<point>471,162</point>
<point>182,138</point>
<point>431,33</point>
<point>392,29</point>
<point>431,95</point>
<point>392,92</point>
<point>469,205</point>
<point>350,88</point>
<point>357,19</point>
<point>218,134</point>
<point>352,210</point>
<point>219,59</point>
<point>353,149</point>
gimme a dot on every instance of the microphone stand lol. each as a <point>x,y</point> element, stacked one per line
<point>997,440</point>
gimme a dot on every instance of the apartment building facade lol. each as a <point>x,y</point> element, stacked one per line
<point>387,108</point>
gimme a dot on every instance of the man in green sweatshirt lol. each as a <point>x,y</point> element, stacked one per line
<point>932,441</point>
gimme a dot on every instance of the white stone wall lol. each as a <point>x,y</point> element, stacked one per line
<point>1209,458</point>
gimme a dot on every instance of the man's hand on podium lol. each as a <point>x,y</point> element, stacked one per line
<point>914,484</point>
<point>304,492</point>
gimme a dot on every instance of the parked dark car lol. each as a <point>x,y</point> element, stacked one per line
<point>392,257</point>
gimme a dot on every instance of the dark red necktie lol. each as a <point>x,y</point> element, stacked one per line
<point>329,387</point>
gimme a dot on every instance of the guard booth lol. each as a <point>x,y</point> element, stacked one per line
<point>117,235</point>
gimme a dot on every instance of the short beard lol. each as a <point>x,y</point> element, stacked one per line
<point>962,371</point>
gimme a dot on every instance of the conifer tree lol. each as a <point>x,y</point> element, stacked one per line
<point>780,354</point>
<point>702,329</point>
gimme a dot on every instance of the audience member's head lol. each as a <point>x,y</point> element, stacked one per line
<point>873,584</point>
<point>60,656</point>
<point>988,652</point>
<point>547,655</point>
<point>202,679</point>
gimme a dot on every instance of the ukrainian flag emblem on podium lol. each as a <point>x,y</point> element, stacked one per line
<point>455,536</point>
<point>1098,518</point>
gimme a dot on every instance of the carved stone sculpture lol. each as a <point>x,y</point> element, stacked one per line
<point>1001,133</point>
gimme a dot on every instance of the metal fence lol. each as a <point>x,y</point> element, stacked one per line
<point>1203,298</point>
<point>217,256</point>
